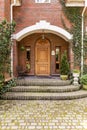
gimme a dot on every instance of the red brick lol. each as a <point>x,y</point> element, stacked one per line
<point>30,13</point>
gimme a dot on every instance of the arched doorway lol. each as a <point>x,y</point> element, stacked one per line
<point>60,41</point>
<point>42,57</point>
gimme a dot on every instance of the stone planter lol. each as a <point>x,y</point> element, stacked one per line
<point>64,77</point>
<point>75,78</point>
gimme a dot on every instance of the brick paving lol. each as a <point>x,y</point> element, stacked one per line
<point>43,115</point>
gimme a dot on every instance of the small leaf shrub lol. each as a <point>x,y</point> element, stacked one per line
<point>9,84</point>
<point>83,79</point>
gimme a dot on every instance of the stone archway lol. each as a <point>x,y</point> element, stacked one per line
<point>39,27</point>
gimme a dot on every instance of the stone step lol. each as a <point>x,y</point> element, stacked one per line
<point>44,96</point>
<point>69,88</point>
<point>42,82</point>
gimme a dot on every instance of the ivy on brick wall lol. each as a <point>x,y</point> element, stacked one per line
<point>6,30</point>
<point>85,54</point>
<point>85,47</point>
<point>73,14</point>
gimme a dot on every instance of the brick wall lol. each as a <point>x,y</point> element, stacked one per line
<point>30,13</point>
<point>7,10</point>
<point>4,9</point>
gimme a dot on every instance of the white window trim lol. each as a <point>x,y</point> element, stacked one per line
<point>49,1</point>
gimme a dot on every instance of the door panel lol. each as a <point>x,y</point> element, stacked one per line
<point>42,55</point>
<point>42,62</point>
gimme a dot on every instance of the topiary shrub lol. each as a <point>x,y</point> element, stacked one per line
<point>64,66</point>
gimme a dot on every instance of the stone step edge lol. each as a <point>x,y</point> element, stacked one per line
<point>43,83</point>
<point>63,96</point>
<point>44,89</point>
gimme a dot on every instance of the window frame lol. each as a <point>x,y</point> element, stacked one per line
<point>49,1</point>
<point>28,48</point>
<point>59,59</point>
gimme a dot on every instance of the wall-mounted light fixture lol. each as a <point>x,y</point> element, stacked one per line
<point>43,35</point>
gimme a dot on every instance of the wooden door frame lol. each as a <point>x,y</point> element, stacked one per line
<point>49,57</point>
<point>55,58</point>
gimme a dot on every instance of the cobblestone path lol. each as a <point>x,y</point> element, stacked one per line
<point>43,115</point>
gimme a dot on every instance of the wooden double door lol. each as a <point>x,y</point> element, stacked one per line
<point>42,57</point>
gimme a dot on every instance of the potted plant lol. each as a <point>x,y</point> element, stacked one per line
<point>28,66</point>
<point>76,72</point>
<point>83,81</point>
<point>22,48</point>
<point>64,67</point>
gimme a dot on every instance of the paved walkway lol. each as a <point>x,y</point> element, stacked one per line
<point>43,115</point>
